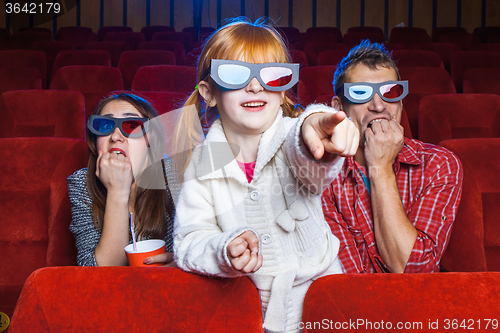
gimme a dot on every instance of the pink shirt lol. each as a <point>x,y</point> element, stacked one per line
<point>248,169</point>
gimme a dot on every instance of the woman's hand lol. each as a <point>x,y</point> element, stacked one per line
<point>115,172</point>
<point>166,258</point>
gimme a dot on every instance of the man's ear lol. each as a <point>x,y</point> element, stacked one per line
<point>337,103</point>
<point>206,93</point>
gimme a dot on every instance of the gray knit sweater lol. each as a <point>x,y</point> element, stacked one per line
<point>86,234</point>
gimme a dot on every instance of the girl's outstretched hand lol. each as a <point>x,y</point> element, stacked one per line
<point>329,132</point>
<point>243,253</point>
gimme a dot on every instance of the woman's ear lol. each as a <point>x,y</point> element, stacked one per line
<point>337,103</point>
<point>206,93</point>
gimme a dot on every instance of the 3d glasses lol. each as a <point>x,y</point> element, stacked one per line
<point>130,127</point>
<point>362,92</point>
<point>273,76</point>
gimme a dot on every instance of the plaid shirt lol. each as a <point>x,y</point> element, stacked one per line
<point>429,179</point>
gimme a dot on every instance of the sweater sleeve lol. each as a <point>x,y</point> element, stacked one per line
<point>86,234</point>
<point>316,175</point>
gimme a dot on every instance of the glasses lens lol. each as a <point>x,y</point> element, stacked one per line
<point>360,92</point>
<point>393,90</point>
<point>132,126</point>
<point>276,76</point>
<point>103,125</point>
<point>233,74</point>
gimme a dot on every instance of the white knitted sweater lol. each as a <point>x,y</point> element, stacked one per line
<point>281,205</point>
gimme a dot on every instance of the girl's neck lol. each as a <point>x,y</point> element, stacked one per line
<point>248,144</point>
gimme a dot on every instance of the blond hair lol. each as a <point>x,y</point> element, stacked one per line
<point>240,39</point>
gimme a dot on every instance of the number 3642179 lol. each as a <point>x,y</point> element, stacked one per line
<point>32,8</point>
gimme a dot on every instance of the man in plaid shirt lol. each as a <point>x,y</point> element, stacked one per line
<point>393,204</point>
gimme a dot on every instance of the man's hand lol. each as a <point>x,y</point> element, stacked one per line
<point>330,132</point>
<point>383,142</point>
<point>243,253</point>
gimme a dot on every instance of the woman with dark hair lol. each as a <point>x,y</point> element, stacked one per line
<point>121,178</point>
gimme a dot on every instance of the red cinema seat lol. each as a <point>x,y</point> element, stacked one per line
<point>314,82</point>
<point>312,50</point>
<point>445,51</point>
<point>423,81</point>
<point>463,60</point>
<point>417,58</point>
<point>165,78</point>
<point>482,81</point>
<point>458,116</point>
<point>427,302</point>
<point>176,47</point>
<point>133,39</point>
<point>486,34</point>
<point>30,35</point>
<point>323,35</point>
<point>26,58</point>
<point>19,78</point>
<point>299,57</point>
<point>464,41</point>
<point>162,101</point>
<point>104,30</point>
<point>81,57</point>
<point>131,61</point>
<point>114,48</point>
<point>184,37</point>
<point>4,33</point>
<point>149,299</point>
<point>409,36</point>
<point>94,82</point>
<point>148,32</point>
<point>291,35</point>
<point>42,113</point>
<point>475,239</point>
<point>438,31</point>
<point>51,50</point>
<point>366,29</point>
<point>331,57</point>
<point>76,35</point>
<point>35,209</point>
<point>199,33</point>
<point>352,39</point>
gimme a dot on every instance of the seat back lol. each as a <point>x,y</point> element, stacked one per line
<point>437,31</point>
<point>409,36</point>
<point>312,50</point>
<point>475,239</point>
<point>165,78</point>
<point>176,47</point>
<point>76,35</point>
<point>133,39</point>
<point>463,60</point>
<point>131,61</point>
<point>323,35</point>
<point>353,38</point>
<point>314,82</point>
<point>19,78</point>
<point>162,101</point>
<point>458,116</point>
<point>184,37</point>
<point>35,208</point>
<point>331,57</point>
<point>43,113</point>
<point>101,33</point>
<point>93,82</point>
<point>81,57</point>
<point>148,32</point>
<point>26,58</point>
<point>417,58</point>
<point>482,81</point>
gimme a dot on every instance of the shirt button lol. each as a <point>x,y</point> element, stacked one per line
<point>255,195</point>
<point>266,239</point>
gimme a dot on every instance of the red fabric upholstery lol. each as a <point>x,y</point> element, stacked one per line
<point>475,240</point>
<point>366,29</point>
<point>352,38</point>
<point>417,58</point>
<point>25,58</point>
<point>94,82</point>
<point>131,61</point>
<point>299,57</point>
<point>464,41</point>
<point>445,51</point>
<point>312,50</point>
<point>4,33</point>
<point>323,35</point>
<point>32,35</point>
<point>314,82</point>
<point>204,32</point>
<point>463,60</point>
<point>133,39</point>
<point>13,45</point>
<point>81,57</point>
<point>176,47</point>
<point>184,37</point>
<point>482,80</point>
<point>165,78</point>
<point>458,116</point>
<point>437,31</point>
<point>409,36</point>
<point>19,78</point>
<point>42,113</point>
<point>104,30</point>
<point>331,57</point>
<point>291,35</point>
<point>415,300</point>
<point>76,35</point>
<point>423,81</point>
<point>114,48</point>
<point>51,50</point>
<point>148,32</point>
<point>35,208</point>
<point>120,299</point>
<point>485,32</point>
<point>162,101</point>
